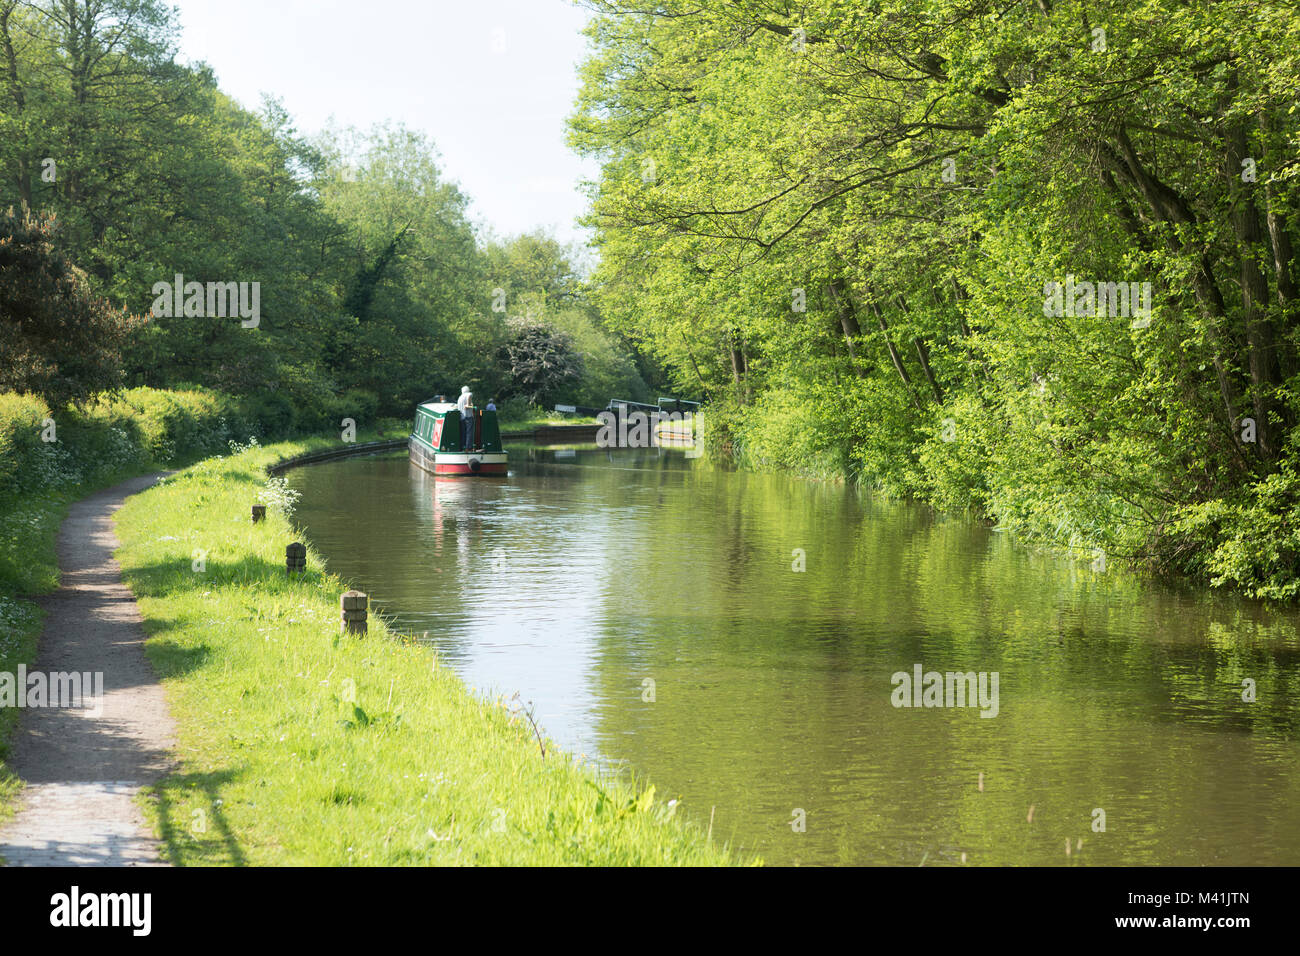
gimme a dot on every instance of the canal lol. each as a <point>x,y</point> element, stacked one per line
<point>650,608</point>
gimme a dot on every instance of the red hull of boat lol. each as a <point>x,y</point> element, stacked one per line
<point>485,469</point>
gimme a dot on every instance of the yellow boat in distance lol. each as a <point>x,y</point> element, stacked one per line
<point>681,429</point>
<point>672,434</point>
<point>672,423</point>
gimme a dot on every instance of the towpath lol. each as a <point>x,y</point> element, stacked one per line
<point>83,771</point>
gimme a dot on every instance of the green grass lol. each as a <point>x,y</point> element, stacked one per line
<point>29,567</point>
<point>530,422</point>
<point>20,623</point>
<point>517,416</point>
<point>301,746</point>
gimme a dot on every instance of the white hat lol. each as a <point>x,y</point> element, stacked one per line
<point>464,389</point>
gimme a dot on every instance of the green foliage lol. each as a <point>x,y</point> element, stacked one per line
<point>371,278</point>
<point>534,265</point>
<point>415,281</point>
<point>57,339</point>
<point>178,425</point>
<point>788,428</point>
<point>21,420</point>
<point>1251,544</point>
<point>608,369</point>
<point>94,445</point>
<point>955,457</point>
<point>533,275</point>
<point>842,224</point>
<point>271,414</point>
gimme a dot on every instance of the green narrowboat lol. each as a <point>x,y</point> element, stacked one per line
<point>436,441</point>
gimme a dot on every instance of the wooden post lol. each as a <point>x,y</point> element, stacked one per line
<point>295,558</point>
<point>353,605</point>
<point>259,513</point>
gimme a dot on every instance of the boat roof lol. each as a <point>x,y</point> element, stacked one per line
<point>438,406</point>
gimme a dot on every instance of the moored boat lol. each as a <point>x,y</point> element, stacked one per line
<point>436,441</point>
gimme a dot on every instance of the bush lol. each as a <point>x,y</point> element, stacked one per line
<point>58,338</point>
<point>96,444</point>
<point>361,407</point>
<point>541,361</point>
<point>112,436</point>
<point>271,415</point>
<point>1252,544</point>
<point>954,461</point>
<point>182,424</point>
<point>818,428</point>
<point>21,418</point>
<point>313,397</point>
<point>608,371</point>
<point>310,408</point>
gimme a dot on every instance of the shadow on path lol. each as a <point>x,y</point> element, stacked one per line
<point>84,769</point>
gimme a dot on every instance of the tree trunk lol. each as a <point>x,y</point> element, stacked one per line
<point>739,368</point>
<point>1283,259</point>
<point>923,355</point>
<point>704,389</point>
<point>14,87</point>
<point>893,352</point>
<point>848,323</point>
<point>1254,295</point>
<point>1166,205</point>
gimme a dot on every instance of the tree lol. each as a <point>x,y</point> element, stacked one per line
<point>857,208</point>
<point>537,279</point>
<point>416,283</point>
<point>540,363</point>
<point>57,339</point>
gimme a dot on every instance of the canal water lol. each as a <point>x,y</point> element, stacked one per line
<point>649,607</point>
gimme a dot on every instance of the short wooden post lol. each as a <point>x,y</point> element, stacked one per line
<point>353,604</point>
<point>295,558</point>
<point>259,513</point>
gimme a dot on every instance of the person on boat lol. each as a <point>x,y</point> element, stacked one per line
<point>464,405</point>
<point>492,405</point>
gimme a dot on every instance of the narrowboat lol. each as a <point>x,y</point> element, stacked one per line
<point>436,441</point>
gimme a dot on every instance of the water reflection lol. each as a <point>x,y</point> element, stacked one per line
<point>581,578</point>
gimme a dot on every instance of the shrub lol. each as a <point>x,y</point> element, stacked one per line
<point>361,407</point>
<point>21,418</point>
<point>542,363</point>
<point>112,436</point>
<point>1251,544</point>
<point>271,415</point>
<point>57,338</point>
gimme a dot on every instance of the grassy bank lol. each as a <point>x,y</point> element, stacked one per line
<point>49,459</point>
<point>520,416</point>
<point>300,746</point>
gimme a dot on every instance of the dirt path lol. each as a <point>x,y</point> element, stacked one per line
<point>84,771</point>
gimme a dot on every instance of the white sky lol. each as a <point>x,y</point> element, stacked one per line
<point>491,81</point>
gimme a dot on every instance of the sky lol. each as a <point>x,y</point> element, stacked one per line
<point>490,81</point>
